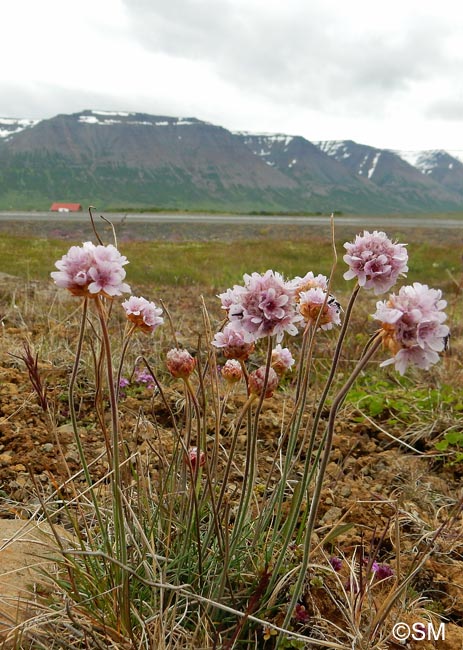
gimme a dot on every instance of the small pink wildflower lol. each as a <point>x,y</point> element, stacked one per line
<point>142,313</point>
<point>336,563</point>
<point>180,363</point>
<point>412,326</point>
<point>193,458</point>
<point>312,302</point>
<point>232,344</point>
<point>282,360</point>
<point>375,261</point>
<point>90,270</point>
<point>382,571</point>
<point>232,371</point>
<point>301,615</point>
<point>256,382</point>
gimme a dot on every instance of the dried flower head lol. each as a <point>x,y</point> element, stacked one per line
<point>142,313</point>
<point>412,326</point>
<point>180,363</point>
<point>90,270</point>
<point>256,382</point>
<point>375,261</point>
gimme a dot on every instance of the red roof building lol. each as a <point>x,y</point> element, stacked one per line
<point>66,207</point>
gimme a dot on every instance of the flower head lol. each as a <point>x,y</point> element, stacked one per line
<point>309,281</point>
<point>382,571</point>
<point>232,343</point>
<point>180,363</point>
<point>232,371</point>
<point>145,315</point>
<point>282,360</point>
<point>264,306</point>
<point>314,305</point>
<point>412,326</point>
<point>196,459</point>
<point>375,261</point>
<point>90,270</point>
<point>256,381</point>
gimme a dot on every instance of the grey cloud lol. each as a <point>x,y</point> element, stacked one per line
<point>303,55</point>
<point>447,109</point>
<point>39,100</point>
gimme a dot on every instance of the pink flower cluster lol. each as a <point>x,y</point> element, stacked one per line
<point>231,342</point>
<point>256,381</point>
<point>90,270</point>
<point>142,313</point>
<point>375,261</point>
<point>180,363</point>
<point>264,306</point>
<point>412,325</point>
<point>282,360</point>
<point>314,306</point>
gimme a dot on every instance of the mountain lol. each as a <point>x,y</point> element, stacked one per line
<point>134,160</point>
<point>392,173</point>
<point>320,175</point>
<point>439,165</point>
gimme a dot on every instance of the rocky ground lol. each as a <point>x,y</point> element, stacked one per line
<point>391,494</point>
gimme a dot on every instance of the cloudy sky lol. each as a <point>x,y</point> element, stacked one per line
<point>388,74</point>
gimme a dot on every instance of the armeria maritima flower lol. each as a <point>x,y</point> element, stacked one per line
<point>314,304</point>
<point>412,326</point>
<point>90,270</point>
<point>282,360</point>
<point>309,281</point>
<point>264,306</point>
<point>232,344</point>
<point>232,371</point>
<point>256,382</point>
<point>142,313</point>
<point>180,363</point>
<point>194,457</point>
<point>375,261</point>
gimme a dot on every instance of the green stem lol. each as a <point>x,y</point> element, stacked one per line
<point>116,476</point>
<point>315,502</point>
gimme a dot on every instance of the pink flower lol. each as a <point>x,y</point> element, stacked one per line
<point>412,326</point>
<point>232,371</point>
<point>309,281</point>
<point>282,360</point>
<point>313,302</point>
<point>231,342</point>
<point>256,382</point>
<point>375,261</point>
<point>193,459</point>
<point>264,306</point>
<point>145,315</point>
<point>90,270</point>
<point>180,363</point>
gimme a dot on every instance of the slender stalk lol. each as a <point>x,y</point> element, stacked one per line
<point>321,474</point>
<point>251,465</point>
<point>116,476</point>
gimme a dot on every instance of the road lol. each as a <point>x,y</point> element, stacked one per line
<point>362,221</point>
